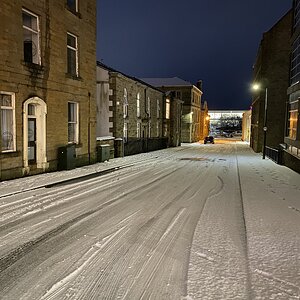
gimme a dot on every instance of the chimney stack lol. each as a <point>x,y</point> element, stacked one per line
<point>199,85</point>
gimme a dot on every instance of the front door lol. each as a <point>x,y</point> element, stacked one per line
<point>31,141</point>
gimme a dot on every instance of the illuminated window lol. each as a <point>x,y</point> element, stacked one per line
<point>292,125</point>
<point>31,42</point>
<point>138,105</point>
<point>72,54</point>
<point>8,135</point>
<point>167,108</point>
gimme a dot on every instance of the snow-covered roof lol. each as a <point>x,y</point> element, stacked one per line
<point>173,81</point>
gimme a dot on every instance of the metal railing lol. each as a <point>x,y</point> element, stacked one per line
<point>275,154</point>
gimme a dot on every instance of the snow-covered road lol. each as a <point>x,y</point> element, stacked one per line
<point>193,222</point>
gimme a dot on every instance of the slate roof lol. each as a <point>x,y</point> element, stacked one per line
<point>102,65</point>
<point>173,81</point>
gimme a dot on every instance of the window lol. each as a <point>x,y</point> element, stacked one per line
<point>167,108</point>
<point>31,42</point>
<point>292,125</point>
<point>72,54</point>
<point>157,109</point>
<point>149,107</point>
<point>125,132</point>
<point>138,129</point>
<point>138,105</point>
<point>149,129</point>
<point>7,117</point>
<point>296,14</point>
<point>73,125</point>
<point>72,5</point>
<point>125,104</point>
<point>295,62</point>
<point>31,110</point>
<point>157,129</point>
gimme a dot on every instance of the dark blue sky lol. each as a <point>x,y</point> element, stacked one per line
<point>212,40</point>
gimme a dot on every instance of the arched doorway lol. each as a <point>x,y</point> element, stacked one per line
<point>34,134</point>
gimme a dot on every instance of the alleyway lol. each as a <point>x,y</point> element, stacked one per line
<point>193,222</point>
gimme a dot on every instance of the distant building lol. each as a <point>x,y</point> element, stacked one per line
<point>292,134</point>
<point>47,85</point>
<point>172,119</point>
<point>271,72</point>
<point>227,123</point>
<point>204,121</point>
<point>191,112</point>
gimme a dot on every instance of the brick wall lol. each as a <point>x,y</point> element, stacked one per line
<point>271,69</point>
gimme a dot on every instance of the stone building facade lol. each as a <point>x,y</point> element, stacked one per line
<point>191,111</point>
<point>135,112</point>
<point>271,72</point>
<point>47,84</point>
<point>292,134</point>
<point>172,119</point>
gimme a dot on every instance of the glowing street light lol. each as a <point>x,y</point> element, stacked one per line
<point>255,86</point>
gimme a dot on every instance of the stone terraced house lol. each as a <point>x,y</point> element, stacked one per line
<point>190,94</point>
<point>47,85</point>
<point>133,111</point>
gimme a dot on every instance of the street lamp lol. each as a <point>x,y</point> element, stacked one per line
<point>257,87</point>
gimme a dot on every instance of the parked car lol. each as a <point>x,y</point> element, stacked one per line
<point>209,139</point>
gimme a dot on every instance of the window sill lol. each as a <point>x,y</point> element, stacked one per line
<point>74,77</point>
<point>9,153</point>
<point>75,13</point>
<point>33,66</point>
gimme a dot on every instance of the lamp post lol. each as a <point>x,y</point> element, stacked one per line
<point>257,87</point>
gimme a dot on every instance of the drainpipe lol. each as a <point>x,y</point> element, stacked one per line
<point>146,112</point>
<point>89,127</point>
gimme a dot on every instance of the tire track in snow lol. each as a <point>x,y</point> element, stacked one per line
<point>119,264</point>
<point>244,223</point>
<point>80,178</point>
<point>48,201</point>
<point>12,206</point>
<point>288,288</point>
<point>206,257</point>
<point>87,259</point>
<point>153,263</point>
<point>25,248</point>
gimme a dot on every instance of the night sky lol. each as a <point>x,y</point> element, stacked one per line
<point>212,40</point>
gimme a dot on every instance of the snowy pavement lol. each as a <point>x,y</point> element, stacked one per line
<point>193,222</point>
